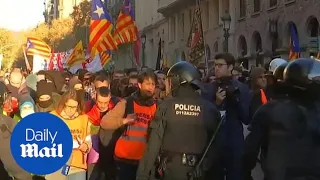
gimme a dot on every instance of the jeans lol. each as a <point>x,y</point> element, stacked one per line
<point>127,171</point>
<point>95,172</point>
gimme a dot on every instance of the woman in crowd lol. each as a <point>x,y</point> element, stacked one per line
<point>70,110</point>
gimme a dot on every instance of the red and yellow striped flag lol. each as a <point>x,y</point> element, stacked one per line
<point>38,47</point>
<point>126,31</point>
<point>77,56</point>
<point>105,58</point>
<point>100,38</point>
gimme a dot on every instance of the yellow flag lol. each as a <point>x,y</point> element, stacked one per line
<point>77,56</point>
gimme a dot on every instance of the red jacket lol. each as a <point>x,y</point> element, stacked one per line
<point>95,115</point>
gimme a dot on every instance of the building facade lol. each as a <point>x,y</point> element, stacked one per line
<point>259,29</point>
<point>55,9</point>
<point>174,24</point>
<point>154,26</point>
<point>262,29</point>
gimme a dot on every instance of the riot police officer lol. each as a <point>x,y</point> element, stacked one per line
<point>292,125</point>
<point>181,128</point>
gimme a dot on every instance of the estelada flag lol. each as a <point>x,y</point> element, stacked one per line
<point>101,37</point>
<point>38,47</point>
<point>126,30</point>
<point>77,56</point>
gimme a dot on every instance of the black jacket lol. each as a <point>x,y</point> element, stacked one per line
<point>8,164</point>
<point>174,128</point>
<point>285,129</point>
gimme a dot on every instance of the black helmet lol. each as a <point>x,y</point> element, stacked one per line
<point>184,72</point>
<point>302,72</point>
<point>278,72</point>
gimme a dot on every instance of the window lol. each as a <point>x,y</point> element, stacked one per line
<point>216,18</point>
<point>243,8</point>
<point>256,6</point>
<point>182,25</point>
<point>273,3</point>
<point>172,29</point>
<point>206,17</point>
<point>216,47</point>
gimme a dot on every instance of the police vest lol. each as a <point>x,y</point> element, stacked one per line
<point>132,142</point>
<point>185,129</point>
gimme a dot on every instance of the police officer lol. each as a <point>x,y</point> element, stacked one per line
<point>7,164</point>
<point>292,126</point>
<point>181,129</point>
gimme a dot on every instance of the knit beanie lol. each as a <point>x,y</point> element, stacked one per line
<point>31,81</point>
<point>256,72</point>
<point>82,74</point>
<point>44,88</point>
<point>73,82</point>
<point>26,100</point>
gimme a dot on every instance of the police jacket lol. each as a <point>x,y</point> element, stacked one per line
<point>182,124</point>
<point>9,164</point>
<point>293,148</point>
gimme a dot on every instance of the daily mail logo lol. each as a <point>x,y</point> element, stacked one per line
<point>41,143</point>
<point>33,150</point>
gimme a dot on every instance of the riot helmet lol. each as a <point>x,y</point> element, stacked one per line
<point>275,63</point>
<point>278,72</point>
<point>302,73</point>
<point>184,72</point>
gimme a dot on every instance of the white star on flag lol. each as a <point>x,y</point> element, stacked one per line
<point>99,11</point>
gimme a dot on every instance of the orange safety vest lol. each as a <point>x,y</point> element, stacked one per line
<point>133,141</point>
<point>264,99</point>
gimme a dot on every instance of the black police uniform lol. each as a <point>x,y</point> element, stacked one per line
<point>292,126</point>
<point>180,131</point>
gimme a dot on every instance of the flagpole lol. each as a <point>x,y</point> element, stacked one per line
<point>26,59</point>
<point>206,61</point>
<point>131,57</point>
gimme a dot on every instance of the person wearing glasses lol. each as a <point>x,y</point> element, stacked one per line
<point>232,98</point>
<point>71,111</point>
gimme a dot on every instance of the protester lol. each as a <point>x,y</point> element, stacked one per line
<point>47,100</point>
<point>71,111</point>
